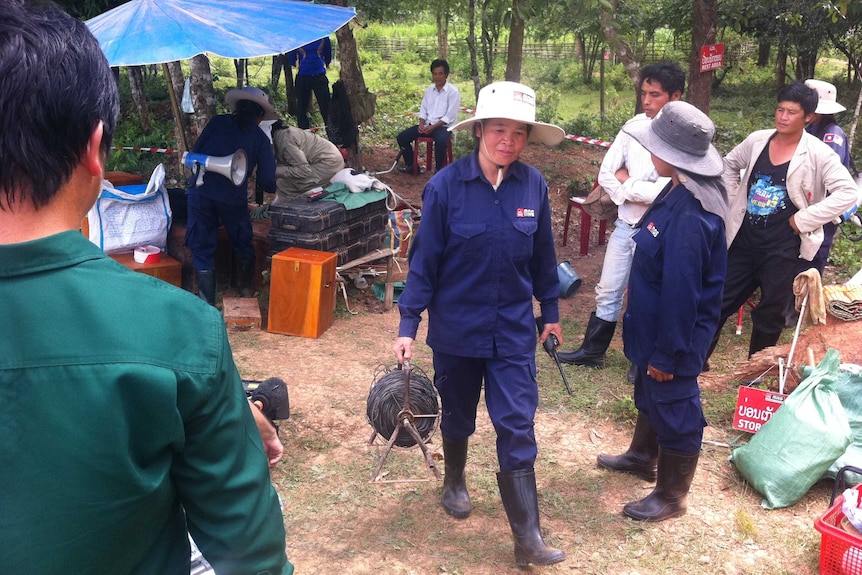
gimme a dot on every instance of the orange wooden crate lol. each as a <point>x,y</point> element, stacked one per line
<point>241,313</point>
<point>302,292</point>
<point>167,268</point>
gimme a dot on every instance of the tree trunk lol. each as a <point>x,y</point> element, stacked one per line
<point>704,28</point>
<point>279,61</point>
<point>354,82</point>
<point>515,52</point>
<point>621,48</point>
<point>203,95</point>
<point>241,67</point>
<point>443,31</point>
<point>781,67</point>
<point>764,49</point>
<point>471,46</point>
<point>487,46</point>
<point>289,88</point>
<point>176,81</point>
<point>805,63</point>
<point>139,97</point>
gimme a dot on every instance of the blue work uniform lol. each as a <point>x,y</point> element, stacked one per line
<point>218,199</point>
<point>833,136</point>
<point>674,304</point>
<point>478,259</point>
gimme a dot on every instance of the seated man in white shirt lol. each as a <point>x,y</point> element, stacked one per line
<point>438,112</point>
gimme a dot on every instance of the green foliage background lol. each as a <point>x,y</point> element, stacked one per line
<point>743,102</point>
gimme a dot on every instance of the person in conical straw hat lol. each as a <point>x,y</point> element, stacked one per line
<point>674,297</point>
<point>484,250</point>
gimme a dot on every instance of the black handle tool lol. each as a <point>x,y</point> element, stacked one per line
<point>550,344</point>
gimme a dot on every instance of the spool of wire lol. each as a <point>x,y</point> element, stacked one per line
<point>386,402</point>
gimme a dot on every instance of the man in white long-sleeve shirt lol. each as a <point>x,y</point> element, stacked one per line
<point>439,111</point>
<point>629,177</point>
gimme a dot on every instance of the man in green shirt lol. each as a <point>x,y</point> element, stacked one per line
<point>123,421</point>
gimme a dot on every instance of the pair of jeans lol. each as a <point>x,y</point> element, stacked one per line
<point>615,271</point>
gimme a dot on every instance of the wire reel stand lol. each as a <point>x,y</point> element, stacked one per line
<point>406,419</point>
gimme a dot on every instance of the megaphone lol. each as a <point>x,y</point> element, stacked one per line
<point>233,167</point>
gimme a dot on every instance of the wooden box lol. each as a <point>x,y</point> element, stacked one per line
<point>302,292</point>
<point>167,268</point>
<point>241,313</point>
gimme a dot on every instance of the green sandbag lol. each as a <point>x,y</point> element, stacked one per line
<point>848,386</point>
<point>792,450</point>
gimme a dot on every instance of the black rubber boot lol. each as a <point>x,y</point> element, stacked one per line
<point>669,498</point>
<point>246,278</point>
<point>207,286</point>
<point>596,341</point>
<point>640,458</point>
<point>761,340</point>
<point>521,502</point>
<point>456,500</point>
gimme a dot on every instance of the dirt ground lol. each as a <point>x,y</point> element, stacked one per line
<point>338,521</point>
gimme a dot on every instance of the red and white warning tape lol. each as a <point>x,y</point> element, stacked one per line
<point>143,149</point>
<point>581,139</point>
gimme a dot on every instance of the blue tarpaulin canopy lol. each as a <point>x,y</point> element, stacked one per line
<point>144,32</point>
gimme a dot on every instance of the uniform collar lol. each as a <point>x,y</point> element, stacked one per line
<point>61,250</point>
<point>516,170</point>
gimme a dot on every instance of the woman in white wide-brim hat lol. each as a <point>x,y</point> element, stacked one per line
<point>824,126</point>
<point>674,297</point>
<point>484,250</point>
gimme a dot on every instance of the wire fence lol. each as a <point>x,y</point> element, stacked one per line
<point>652,52</point>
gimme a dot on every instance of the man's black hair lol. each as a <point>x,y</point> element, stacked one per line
<point>801,94</point>
<point>668,74</point>
<point>440,63</point>
<point>56,87</point>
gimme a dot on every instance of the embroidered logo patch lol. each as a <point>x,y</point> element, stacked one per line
<point>652,229</point>
<point>833,139</point>
<point>525,213</point>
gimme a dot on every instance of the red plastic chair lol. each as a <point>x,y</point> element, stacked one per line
<point>429,153</point>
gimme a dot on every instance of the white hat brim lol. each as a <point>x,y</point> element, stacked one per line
<point>828,107</point>
<point>540,133</point>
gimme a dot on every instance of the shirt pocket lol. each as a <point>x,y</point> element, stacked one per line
<point>468,238</point>
<point>522,242</point>
<point>648,261</point>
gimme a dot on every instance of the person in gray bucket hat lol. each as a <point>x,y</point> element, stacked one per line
<point>674,302</point>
